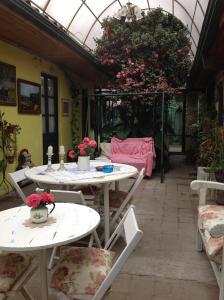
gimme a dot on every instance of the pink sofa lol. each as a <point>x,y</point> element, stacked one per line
<point>138,152</point>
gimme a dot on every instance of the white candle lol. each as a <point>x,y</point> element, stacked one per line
<point>62,150</point>
<point>50,150</point>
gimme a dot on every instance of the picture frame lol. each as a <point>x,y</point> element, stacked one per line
<point>29,97</point>
<point>65,107</point>
<point>7,84</point>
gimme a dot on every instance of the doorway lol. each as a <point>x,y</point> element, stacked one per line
<point>49,110</point>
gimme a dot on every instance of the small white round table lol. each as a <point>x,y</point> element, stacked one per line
<point>38,175</point>
<point>67,223</point>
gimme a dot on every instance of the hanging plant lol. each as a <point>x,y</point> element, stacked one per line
<point>150,54</point>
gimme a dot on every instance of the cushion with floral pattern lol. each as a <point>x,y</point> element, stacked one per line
<point>212,219</point>
<point>81,271</point>
<point>213,247</point>
<point>12,266</point>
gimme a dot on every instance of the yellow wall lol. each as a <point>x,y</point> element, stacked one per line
<point>30,67</point>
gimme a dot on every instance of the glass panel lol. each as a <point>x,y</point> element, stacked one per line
<point>98,6</point>
<point>51,106</point>
<point>61,12</point>
<point>204,4</point>
<point>181,14</point>
<point>195,34</point>
<point>82,23</point>
<point>95,32</point>
<point>199,17</point>
<point>111,11</point>
<point>164,4</point>
<point>189,6</point>
<point>43,125</point>
<point>51,124</point>
<point>40,3</point>
<point>42,105</point>
<point>193,48</point>
<point>50,87</point>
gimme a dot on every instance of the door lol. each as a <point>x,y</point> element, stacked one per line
<point>49,109</point>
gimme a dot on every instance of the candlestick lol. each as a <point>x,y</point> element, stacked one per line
<point>49,164</point>
<point>50,150</point>
<point>61,150</point>
<point>61,160</point>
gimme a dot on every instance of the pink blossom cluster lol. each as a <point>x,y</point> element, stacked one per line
<point>35,200</point>
<point>84,149</point>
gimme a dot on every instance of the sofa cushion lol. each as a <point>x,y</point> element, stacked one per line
<point>12,266</point>
<point>81,271</point>
<point>211,218</point>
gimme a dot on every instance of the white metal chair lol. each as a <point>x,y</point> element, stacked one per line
<point>22,268</point>
<point>210,230</point>
<point>17,177</point>
<point>127,200</point>
<point>71,197</point>
<point>87,273</point>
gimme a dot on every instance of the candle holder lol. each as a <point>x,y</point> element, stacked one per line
<point>49,164</point>
<point>61,160</point>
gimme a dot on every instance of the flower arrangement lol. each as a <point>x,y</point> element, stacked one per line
<point>86,148</point>
<point>35,200</point>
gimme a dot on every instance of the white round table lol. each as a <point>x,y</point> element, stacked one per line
<point>67,223</point>
<point>38,174</point>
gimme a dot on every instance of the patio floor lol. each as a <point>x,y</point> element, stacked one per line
<point>165,265</point>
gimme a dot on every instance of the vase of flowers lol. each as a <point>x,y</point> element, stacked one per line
<point>38,203</point>
<point>83,151</point>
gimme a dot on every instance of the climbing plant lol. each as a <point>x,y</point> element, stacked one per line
<point>151,54</point>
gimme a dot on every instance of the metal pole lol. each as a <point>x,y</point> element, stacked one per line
<point>162,141</point>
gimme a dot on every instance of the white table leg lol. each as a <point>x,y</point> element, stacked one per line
<point>106,211</point>
<point>43,274</point>
<point>117,187</point>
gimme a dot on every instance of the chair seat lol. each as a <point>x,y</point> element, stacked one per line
<point>209,217</point>
<point>12,267</point>
<point>81,271</point>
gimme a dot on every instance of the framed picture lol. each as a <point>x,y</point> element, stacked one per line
<point>28,97</point>
<point>7,84</point>
<point>65,107</point>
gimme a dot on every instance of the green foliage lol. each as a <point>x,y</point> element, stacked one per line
<point>152,53</point>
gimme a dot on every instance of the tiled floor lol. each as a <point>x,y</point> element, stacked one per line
<point>165,265</point>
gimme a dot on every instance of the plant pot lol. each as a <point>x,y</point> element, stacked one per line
<point>83,163</point>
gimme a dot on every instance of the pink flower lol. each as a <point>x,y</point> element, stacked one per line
<point>82,146</point>
<point>82,151</point>
<point>33,200</point>
<point>71,154</point>
<point>47,198</point>
<point>86,141</point>
<point>92,144</point>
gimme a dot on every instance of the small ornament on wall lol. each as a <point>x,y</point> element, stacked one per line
<point>65,107</point>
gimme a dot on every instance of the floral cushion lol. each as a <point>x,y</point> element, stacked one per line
<point>211,219</point>
<point>213,247</point>
<point>81,271</point>
<point>12,266</point>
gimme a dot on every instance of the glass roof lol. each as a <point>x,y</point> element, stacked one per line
<point>82,18</point>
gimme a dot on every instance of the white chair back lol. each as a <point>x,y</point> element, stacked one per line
<point>69,197</point>
<point>128,197</point>
<point>17,177</point>
<point>129,226</point>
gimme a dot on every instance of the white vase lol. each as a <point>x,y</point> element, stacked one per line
<point>39,214</point>
<point>83,163</point>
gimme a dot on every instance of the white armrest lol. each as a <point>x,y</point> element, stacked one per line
<point>202,186</point>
